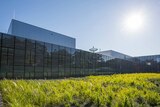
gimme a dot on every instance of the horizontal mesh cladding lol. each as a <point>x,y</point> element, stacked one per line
<point>31,59</point>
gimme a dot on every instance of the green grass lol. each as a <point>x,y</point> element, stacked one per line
<point>120,90</point>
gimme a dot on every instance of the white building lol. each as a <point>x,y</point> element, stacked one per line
<point>114,54</point>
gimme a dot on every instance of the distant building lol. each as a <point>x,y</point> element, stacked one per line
<point>114,54</point>
<point>33,32</point>
<point>151,58</point>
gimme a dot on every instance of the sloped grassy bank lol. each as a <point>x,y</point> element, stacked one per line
<point>120,90</point>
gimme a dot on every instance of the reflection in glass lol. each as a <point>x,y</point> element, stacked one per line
<point>25,58</point>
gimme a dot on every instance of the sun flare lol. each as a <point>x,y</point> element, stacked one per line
<point>134,22</point>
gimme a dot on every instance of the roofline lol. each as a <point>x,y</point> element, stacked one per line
<point>114,51</point>
<point>41,28</point>
<point>147,55</point>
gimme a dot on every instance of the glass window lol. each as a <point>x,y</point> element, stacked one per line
<point>29,71</point>
<point>10,57</point>
<point>19,57</point>
<point>47,50</point>
<point>86,63</point>
<point>39,60</point>
<point>19,43</point>
<point>39,48</point>
<point>7,62</point>
<point>55,56</point>
<point>68,58</point>
<point>8,41</point>
<point>55,48</point>
<point>0,38</point>
<point>4,59</point>
<point>18,71</point>
<point>39,75</point>
<point>68,62</point>
<point>30,44</point>
<point>61,61</point>
<point>30,58</point>
<point>47,60</point>
<point>72,70</point>
<point>78,62</point>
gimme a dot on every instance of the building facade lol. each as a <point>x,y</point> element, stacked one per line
<point>25,55</point>
<point>32,59</point>
<point>25,30</point>
<point>26,58</point>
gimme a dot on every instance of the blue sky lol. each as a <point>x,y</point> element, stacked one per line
<point>97,23</point>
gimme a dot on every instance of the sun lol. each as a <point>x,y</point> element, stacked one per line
<point>134,22</point>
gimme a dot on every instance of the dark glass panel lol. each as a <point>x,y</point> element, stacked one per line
<point>18,71</point>
<point>10,57</point>
<point>39,60</point>
<point>30,44</point>
<point>19,57</point>
<point>19,43</point>
<point>39,69</point>
<point>47,50</point>
<point>55,50</point>
<point>30,58</point>
<point>94,63</point>
<point>103,64</point>
<point>78,62</point>
<point>8,41</point>
<point>47,60</point>
<point>39,48</point>
<point>91,63</point>
<point>39,65</point>
<point>82,66</point>
<point>7,62</point>
<point>39,75</point>
<point>61,61</point>
<point>0,38</point>
<point>68,62</point>
<point>85,63</point>
<point>7,71</point>
<point>4,55</point>
<point>72,62</point>
<point>29,72</point>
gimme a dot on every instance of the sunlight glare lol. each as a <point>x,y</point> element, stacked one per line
<point>134,22</point>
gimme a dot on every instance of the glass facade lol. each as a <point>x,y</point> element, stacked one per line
<point>31,59</point>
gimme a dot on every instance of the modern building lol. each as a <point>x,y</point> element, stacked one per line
<point>25,30</point>
<point>153,58</point>
<point>31,57</point>
<point>114,54</point>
